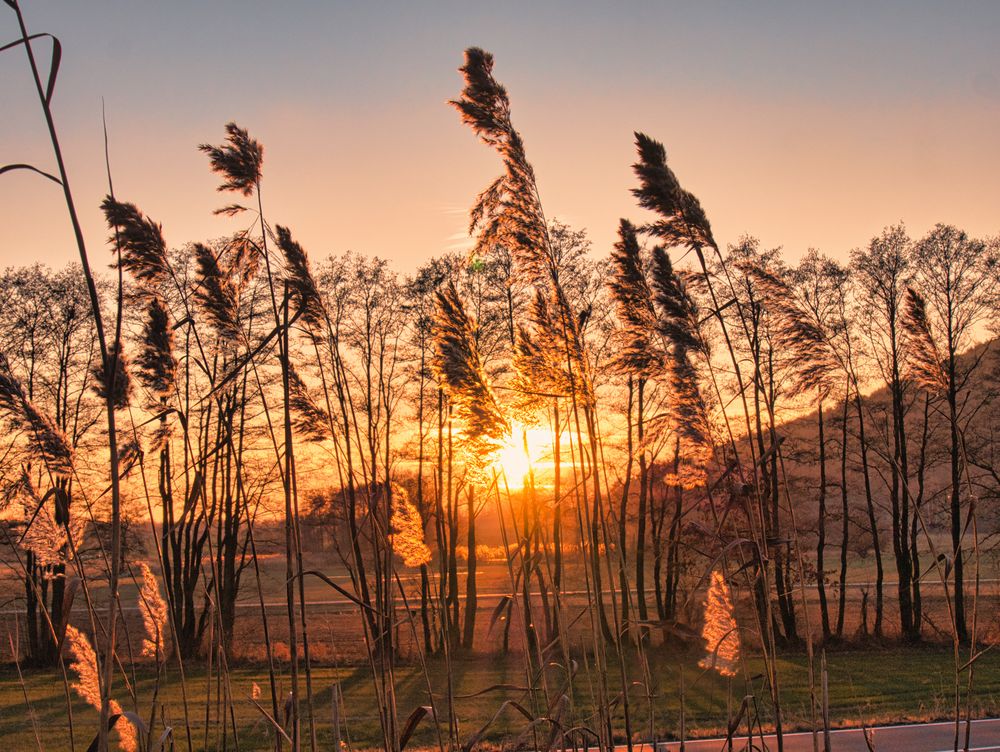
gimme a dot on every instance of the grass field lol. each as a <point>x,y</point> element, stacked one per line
<point>869,686</point>
<point>334,629</point>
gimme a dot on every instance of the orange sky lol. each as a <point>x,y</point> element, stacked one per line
<point>805,127</point>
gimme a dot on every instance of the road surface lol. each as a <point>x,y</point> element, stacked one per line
<point>917,737</point>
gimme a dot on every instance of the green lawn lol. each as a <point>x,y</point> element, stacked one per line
<point>869,686</point>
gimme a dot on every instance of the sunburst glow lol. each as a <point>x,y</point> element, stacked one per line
<point>526,449</point>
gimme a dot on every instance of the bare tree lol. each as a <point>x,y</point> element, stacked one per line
<point>956,284</point>
<point>49,342</point>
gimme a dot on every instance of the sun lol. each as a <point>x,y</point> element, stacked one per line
<point>514,461</point>
<point>524,450</point>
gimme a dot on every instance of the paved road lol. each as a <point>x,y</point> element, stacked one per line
<point>921,737</point>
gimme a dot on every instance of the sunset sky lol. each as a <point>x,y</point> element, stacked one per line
<point>802,124</point>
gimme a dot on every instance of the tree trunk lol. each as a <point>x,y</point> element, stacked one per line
<point>640,534</point>
<point>821,529</point>
<point>556,516</point>
<point>425,598</point>
<point>623,512</point>
<point>961,629</point>
<point>452,511</point>
<point>845,527</point>
<point>899,496</point>
<point>470,577</point>
<point>872,519</point>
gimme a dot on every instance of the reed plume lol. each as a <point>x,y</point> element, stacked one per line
<point>19,487</point>
<point>140,242</point>
<point>722,641</point>
<point>682,221</point>
<point>407,537</point>
<point>508,212</point>
<point>532,375</point>
<point>310,419</point>
<point>215,294</point>
<point>156,365</point>
<point>114,381</point>
<point>301,283</point>
<point>538,371</point>
<point>678,325</point>
<point>47,536</point>
<point>924,363</point>
<point>244,256</point>
<point>47,443</point>
<point>154,615</point>
<point>238,161</point>
<point>634,303</point>
<point>129,454</point>
<point>803,339</point>
<point>84,665</point>
<point>678,319</point>
<point>688,407</point>
<point>457,364</point>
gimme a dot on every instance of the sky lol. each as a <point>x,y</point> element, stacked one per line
<point>803,124</point>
